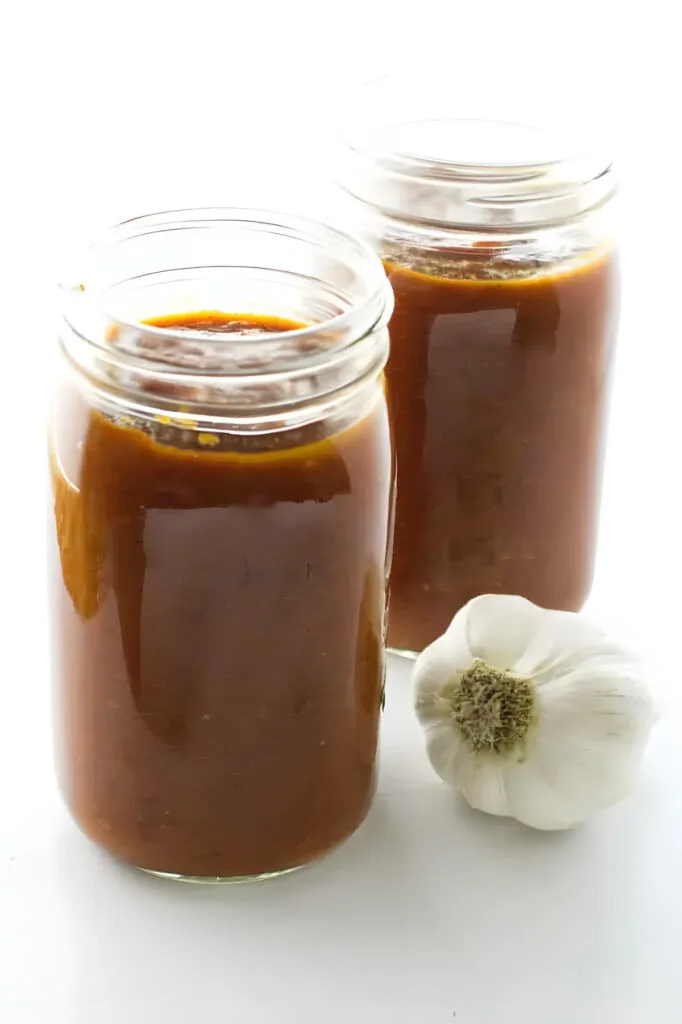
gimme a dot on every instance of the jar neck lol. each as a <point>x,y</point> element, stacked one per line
<point>234,261</point>
<point>442,250</point>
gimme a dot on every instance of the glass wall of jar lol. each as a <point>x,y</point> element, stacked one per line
<point>497,241</point>
<point>222,476</point>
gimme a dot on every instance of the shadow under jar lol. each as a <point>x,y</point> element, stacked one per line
<point>222,476</point>
<point>496,239</point>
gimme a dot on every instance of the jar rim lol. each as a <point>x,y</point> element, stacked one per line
<point>409,152</point>
<point>359,318</point>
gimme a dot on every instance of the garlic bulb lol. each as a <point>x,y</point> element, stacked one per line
<point>531,713</point>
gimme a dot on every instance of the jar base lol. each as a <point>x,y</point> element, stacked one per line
<point>218,879</point>
<point>400,653</point>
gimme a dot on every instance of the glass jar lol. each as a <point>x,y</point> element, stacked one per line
<point>222,507</point>
<point>497,241</point>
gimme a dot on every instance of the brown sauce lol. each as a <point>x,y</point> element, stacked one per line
<point>220,618</point>
<point>498,383</point>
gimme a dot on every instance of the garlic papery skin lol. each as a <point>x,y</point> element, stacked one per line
<point>532,714</point>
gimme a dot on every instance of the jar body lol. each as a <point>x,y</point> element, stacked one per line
<point>498,389</point>
<point>219,614</point>
<point>499,376</point>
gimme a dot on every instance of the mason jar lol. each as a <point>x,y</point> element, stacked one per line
<point>497,240</point>
<point>222,475</point>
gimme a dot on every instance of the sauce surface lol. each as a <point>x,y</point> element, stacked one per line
<point>220,618</point>
<point>498,386</point>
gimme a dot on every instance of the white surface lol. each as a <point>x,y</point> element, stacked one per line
<point>429,910</point>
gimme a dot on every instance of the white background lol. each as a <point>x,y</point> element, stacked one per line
<point>115,109</point>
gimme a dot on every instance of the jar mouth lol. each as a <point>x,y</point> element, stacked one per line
<point>152,265</point>
<point>230,261</point>
<point>412,153</point>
